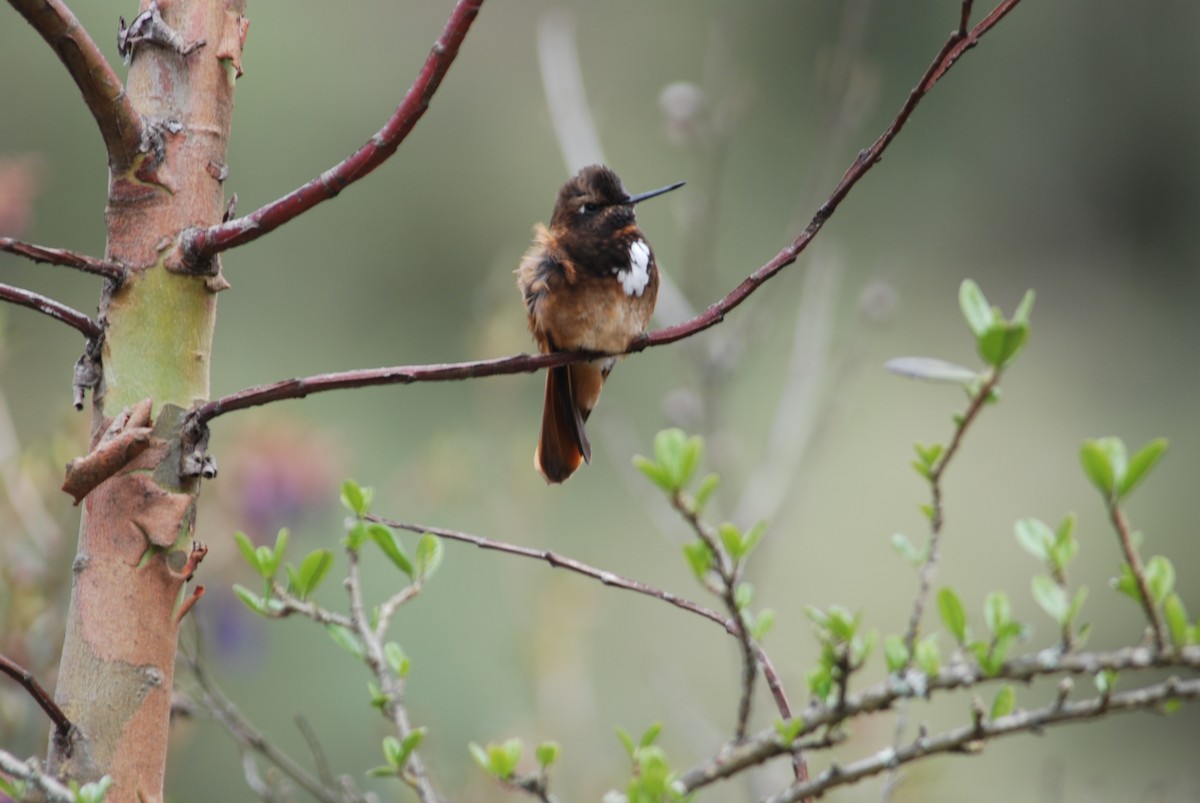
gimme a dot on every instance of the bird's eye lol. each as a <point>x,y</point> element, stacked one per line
<point>588,208</point>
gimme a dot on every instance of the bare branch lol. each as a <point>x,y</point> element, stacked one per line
<point>225,712</point>
<point>62,725</point>
<point>202,244</point>
<point>608,578</point>
<point>48,306</point>
<point>120,125</point>
<point>210,241</point>
<point>929,565</point>
<point>1138,570</point>
<point>31,773</point>
<point>65,258</point>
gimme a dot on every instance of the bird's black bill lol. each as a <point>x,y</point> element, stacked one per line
<point>639,198</point>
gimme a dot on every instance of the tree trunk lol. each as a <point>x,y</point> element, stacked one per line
<point>132,563</point>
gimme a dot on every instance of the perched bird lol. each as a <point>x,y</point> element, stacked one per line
<point>589,282</point>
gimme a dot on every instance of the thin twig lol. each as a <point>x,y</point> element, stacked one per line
<point>289,605</point>
<point>120,125</point>
<point>65,258</point>
<point>225,712</point>
<point>727,572</point>
<point>62,725</point>
<point>608,578</point>
<point>86,326</point>
<point>319,759</point>
<point>202,244</point>
<point>30,772</point>
<point>929,566</point>
<point>1117,514</point>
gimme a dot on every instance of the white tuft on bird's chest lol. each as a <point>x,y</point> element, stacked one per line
<point>634,278</point>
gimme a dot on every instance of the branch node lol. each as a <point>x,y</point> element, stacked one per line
<point>150,28</point>
<point>87,374</point>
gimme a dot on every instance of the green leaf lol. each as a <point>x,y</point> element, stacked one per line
<point>382,772</point>
<point>389,544</point>
<point>480,755</point>
<point>356,536</point>
<point>281,542</point>
<point>699,557</point>
<point>1106,681</point>
<point>1051,597</point>
<point>657,474</point>
<point>1004,703</point>
<point>953,614</point>
<point>1177,621</point>
<point>547,754</point>
<point>820,682</point>
<point>626,740</point>
<point>906,550</point>
<point>690,459</point>
<point>311,572</point>
<point>731,539</point>
<point>356,498</point>
<point>1076,604</point>
<point>790,729</point>
<point>345,639</point>
<point>1160,578</point>
<point>997,612</point>
<point>253,601</point>
<point>94,792</point>
<point>705,491</point>
<point>752,537</point>
<point>927,655</point>
<point>429,555</point>
<point>391,751</point>
<point>1001,343</point>
<point>931,369</point>
<point>1035,536</point>
<point>1140,464</point>
<point>246,547</point>
<point>762,624</point>
<point>650,735</point>
<point>1024,308</point>
<point>743,595</point>
<point>410,743</point>
<point>670,447</point>
<point>1104,463</point>
<point>396,659</point>
<point>895,653</point>
<point>975,308</point>
<point>502,759</point>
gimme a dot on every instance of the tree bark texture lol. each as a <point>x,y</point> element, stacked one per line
<point>131,569</point>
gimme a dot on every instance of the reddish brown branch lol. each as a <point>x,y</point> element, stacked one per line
<point>63,257</point>
<point>62,725</point>
<point>954,47</point>
<point>48,306</point>
<point>608,578</point>
<point>201,244</point>
<point>119,122</point>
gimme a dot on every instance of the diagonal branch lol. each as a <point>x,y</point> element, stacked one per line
<point>62,725</point>
<point>245,229</point>
<point>65,258</point>
<point>119,122</point>
<point>88,327</point>
<point>608,578</point>
<point>202,244</point>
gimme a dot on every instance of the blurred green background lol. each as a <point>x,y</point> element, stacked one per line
<point>1059,155</point>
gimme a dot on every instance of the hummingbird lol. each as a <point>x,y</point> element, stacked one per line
<point>589,282</point>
